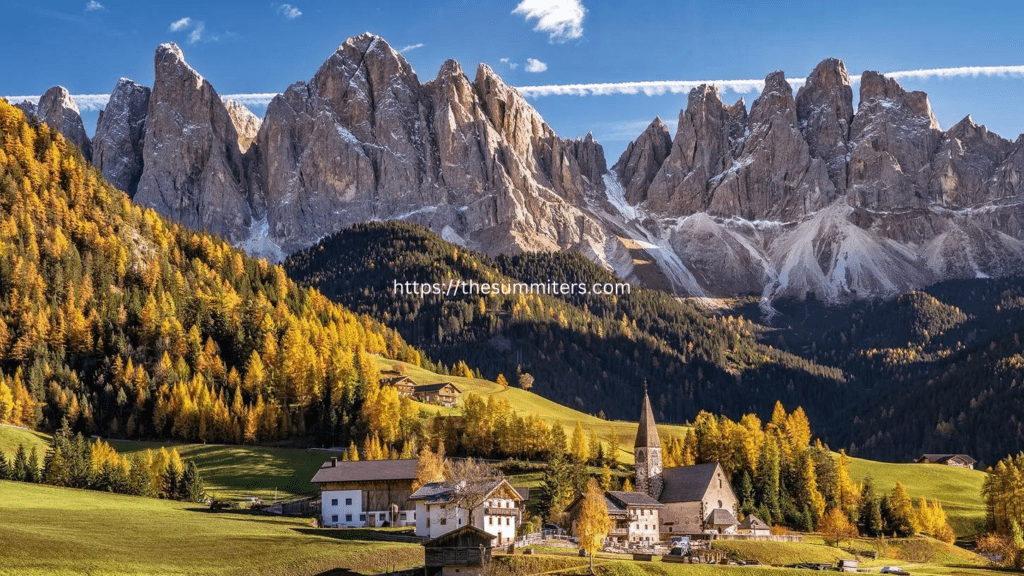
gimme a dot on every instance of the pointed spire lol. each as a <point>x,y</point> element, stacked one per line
<point>647,432</point>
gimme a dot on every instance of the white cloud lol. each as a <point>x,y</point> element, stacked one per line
<point>412,47</point>
<point>181,24</point>
<point>93,5</point>
<point>508,62</point>
<point>561,19</point>
<point>535,66</point>
<point>288,11</point>
<point>197,33</point>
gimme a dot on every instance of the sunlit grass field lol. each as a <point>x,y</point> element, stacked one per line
<point>46,530</point>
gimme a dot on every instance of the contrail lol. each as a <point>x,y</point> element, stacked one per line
<point>650,88</point>
<point>659,87</point>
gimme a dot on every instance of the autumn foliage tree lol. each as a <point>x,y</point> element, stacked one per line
<point>593,523</point>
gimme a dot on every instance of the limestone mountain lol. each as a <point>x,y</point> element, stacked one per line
<point>799,193</point>
<point>804,195</point>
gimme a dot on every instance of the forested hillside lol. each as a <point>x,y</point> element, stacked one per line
<point>127,325</point>
<point>940,370</point>
<point>593,353</point>
<point>931,371</point>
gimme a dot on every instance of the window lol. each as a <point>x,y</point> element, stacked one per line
<point>402,515</point>
<point>362,517</point>
<point>719,483</point>
<point>348,517</point>
<point>508,521</point>
<point>490,520</point>
<point>383,516</point>
<point>334,518</point>
<point>334,501</point>
<point>428,521</point>
<point>348,501</point>
<point>444,521</point>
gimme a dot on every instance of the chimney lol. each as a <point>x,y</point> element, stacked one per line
<point>334,462</point>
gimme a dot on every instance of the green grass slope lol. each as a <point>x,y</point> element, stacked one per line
<point>957,489</point>
<point>48,530</point>
<point>526,402</point>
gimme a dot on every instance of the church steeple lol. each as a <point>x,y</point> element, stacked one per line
<point>647,433</point>
<point>647,452</point>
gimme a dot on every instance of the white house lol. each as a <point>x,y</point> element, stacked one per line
<point>442,507</point>
<point>367,493</point>
<point>635,517</point>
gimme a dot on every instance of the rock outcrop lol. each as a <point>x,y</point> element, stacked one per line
<point>121,135</point>
<point>640,162</point>
<point>807,196</point>
<point>364,140</point>
<point>58,109</point>
<point>193,170</point>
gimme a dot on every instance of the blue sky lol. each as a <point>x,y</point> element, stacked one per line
<point>258,46</point>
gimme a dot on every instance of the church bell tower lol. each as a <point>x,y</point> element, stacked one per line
<point>647,451</point>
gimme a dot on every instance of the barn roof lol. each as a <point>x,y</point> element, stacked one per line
<point>366,470</point>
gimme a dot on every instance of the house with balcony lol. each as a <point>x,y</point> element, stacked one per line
<point>493,506</point>
<point>636,517</point>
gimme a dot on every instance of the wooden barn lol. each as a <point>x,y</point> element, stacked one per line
<point>463,551</point>
<point>368,493</point>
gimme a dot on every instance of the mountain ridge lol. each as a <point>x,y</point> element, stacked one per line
<point>799,194</point>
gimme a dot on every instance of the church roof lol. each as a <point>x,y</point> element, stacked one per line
<point>647,432</point>
<point>687,483</point>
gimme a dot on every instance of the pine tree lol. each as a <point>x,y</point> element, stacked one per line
<point>578,446</point>
<point>191,488</point>
<point>32,466</point>
<point>5,469</point>
<point>606,477</point>
<point>20,471</point>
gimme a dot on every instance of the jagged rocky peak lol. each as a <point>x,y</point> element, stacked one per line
<point>700,150</point>
<point>246,123</point>
<point>824,107</point>
<point>641,160</point>
<point>121,134</point>
<point>776,101</point>
<point>27,108</point>
<point>192,166</point>
<point>964,166</point>
<point>892,139</point>
<point>58,109</point>
<point>775,177</point>
<point>589,155</point>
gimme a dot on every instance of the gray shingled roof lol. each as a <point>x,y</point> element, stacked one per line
<point>647,432</point>
<point>366,470</point>
<point>440,492</point>
<point>634,499</point>
<point>721,517</point>
<point>752,521</point>
<point>686,483</point>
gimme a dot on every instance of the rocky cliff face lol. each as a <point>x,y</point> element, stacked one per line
<point>193,169</point>
<point>805,195</point>
<point>364,139</point>
<point>121,135</point>
<point>58,109</point>
<point>800,193</point>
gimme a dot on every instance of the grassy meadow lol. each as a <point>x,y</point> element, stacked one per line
<point>958,490</point>
<point>49,530</point>
<point>528,403</point>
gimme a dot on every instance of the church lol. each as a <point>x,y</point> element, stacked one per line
<point>697,499</point>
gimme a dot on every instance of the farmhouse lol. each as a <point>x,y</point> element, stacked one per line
<point>367,493</point>
<point>698,499</point>
<point>491,505</point>
<point>960,460</point>
<point>443,393</point>
<point>634,516</point>
<point>405,385</point>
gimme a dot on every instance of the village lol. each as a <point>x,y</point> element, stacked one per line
<point>465,512</point>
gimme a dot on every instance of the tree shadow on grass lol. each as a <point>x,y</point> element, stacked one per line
<point>250,516</point>
<point>339,572</point>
